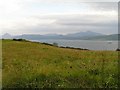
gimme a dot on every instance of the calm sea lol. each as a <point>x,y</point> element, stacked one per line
<point>86,44</point>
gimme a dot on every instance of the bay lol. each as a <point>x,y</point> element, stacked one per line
<point>85,44</point>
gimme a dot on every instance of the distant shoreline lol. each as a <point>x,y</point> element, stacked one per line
<point>61,46</point>
<point>67,47</point>
<point>72,47</point>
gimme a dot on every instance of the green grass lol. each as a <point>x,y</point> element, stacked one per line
<point>29,64</point>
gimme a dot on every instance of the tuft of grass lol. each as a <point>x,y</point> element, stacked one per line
<point>35,65</point>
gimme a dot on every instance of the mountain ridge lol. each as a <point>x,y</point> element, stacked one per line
<point>88,35</point>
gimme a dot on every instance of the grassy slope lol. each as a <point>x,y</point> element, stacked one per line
<point>28,64</point>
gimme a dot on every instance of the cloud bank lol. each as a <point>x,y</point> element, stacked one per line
<point>62,17</point>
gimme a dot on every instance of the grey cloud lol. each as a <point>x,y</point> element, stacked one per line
<point>96,24</point>
<point>104,6</point>
<point>88,23</point>
<point>60,1</point>
<point>76,23</point>
<point>71,29</point>
<point>72,23</point>
<point>87,20</point>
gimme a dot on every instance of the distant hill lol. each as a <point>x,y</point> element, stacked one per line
<point>104,37</point>
<point>7,36</point>
<point>38,37</point>
<point>84,34</point>
<point>74,36</point>
<point>81,35</point>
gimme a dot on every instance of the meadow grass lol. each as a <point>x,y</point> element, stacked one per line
<point>35,65</point>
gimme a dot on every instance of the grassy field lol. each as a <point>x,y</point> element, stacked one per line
<point>35,65</point>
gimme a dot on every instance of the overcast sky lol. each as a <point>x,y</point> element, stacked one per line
<point>58,16</point>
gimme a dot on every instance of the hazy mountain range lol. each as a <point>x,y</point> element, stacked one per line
<point>89,35</point>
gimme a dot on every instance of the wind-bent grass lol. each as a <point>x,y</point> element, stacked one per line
<point>29,64</point>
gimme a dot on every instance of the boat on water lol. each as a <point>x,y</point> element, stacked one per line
<point>109,42</point>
